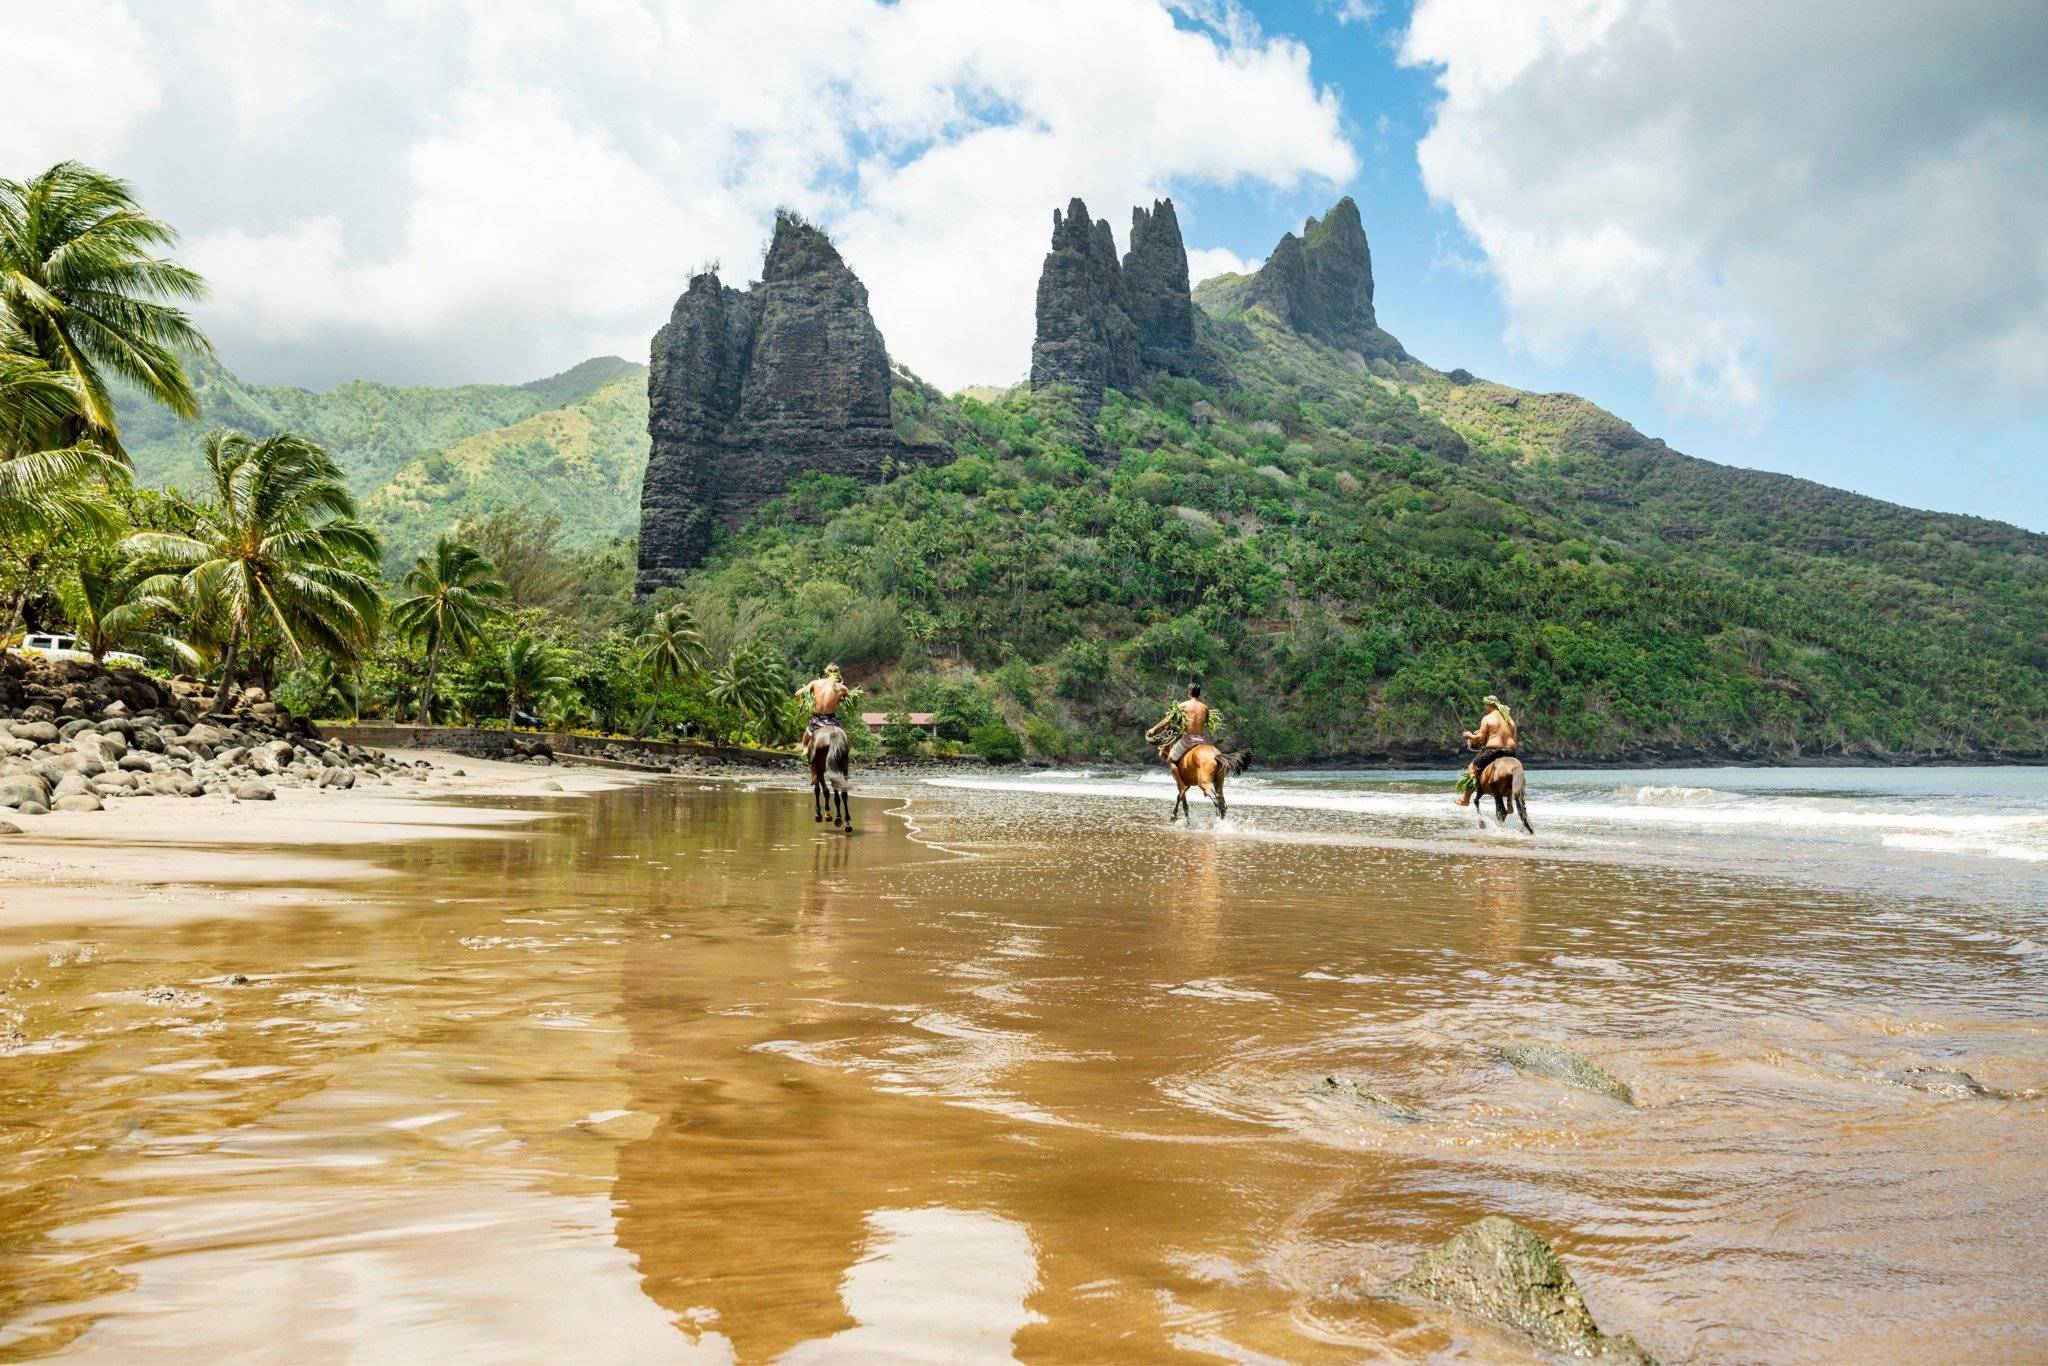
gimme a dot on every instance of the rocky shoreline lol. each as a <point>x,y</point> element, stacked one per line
<point>75,736</point>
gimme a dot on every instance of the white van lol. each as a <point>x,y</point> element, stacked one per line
<point>48,645</point>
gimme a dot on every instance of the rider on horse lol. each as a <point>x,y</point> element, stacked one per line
<point>1494,739</point>
<point>826,692</point>
<point>1192,717</point>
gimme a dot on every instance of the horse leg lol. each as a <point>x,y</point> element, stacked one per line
<point>845,813</point>
<point>817,804</point>
<point>1479,806</point>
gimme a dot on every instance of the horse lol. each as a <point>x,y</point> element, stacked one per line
<point>829,775</point>
<point>1203,766</point>
<point>1503,781</point>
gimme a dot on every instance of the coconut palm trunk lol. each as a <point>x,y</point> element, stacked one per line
<point>228,661</point>
<point>426,717</point>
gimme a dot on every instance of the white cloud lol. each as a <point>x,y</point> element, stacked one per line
<point>1206,263</point>
<point>1755,194</point>
<point>1350,11</point>
<point>69,98</point>
<point>487,188</point>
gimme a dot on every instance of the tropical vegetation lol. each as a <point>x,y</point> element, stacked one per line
<point>1348,554</point>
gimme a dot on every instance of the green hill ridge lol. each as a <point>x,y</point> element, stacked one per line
<point>1348,551</point>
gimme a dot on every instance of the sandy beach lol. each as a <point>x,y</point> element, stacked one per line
<point>155,861</point>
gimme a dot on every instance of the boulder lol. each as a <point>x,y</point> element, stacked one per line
<point>1943,1081</point>
<point>206,734</point>
<point>253,791</point>
<point>37,732</point>
<point>1500,1273</point>
<point>32,809</point>
<point>9,828</point>
<point>16,788</point>
<point>71,785</point>
<point>1349,1091</point>
<point>1548,1060</point>
<point>137,763</point>
<point>81,801</point>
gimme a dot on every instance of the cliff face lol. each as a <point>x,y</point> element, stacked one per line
<point>1085,334</point>
<point>749,388</point>
<point>1156,279</point>
<point>1102,324</point>
<point>1320,284</point>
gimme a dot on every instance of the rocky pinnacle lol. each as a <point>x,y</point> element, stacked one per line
<point>749,388</point>
<point>1103,324</point>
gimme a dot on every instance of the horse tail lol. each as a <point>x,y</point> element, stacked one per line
<point>836,771</point>
<point>1517,791</point>
<point>1234,764</point>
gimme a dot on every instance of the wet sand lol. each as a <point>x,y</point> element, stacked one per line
<point>673,1073</point>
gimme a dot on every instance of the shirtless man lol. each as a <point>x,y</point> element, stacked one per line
<point>1193,718</point>
<point>1494,739</point>
<point>826,692</point>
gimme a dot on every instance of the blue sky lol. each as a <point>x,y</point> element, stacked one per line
<point>1434,293</point>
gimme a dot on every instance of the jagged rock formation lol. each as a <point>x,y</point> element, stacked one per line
<point>1156,280</point>
<point>1085,335</point>
<point>1101,324</point>
<point>1319,284</point>
<point>750,388</point>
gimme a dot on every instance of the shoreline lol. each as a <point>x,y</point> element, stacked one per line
<point>122,864</point>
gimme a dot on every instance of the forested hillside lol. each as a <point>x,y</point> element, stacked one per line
<point>1348,551</point>
<point>587,448</point>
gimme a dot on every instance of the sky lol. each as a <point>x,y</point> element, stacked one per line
<point>1807,238</point>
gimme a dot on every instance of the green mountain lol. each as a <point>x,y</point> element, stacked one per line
<point>1351,552</point>
<point>1348,546</point>
<point>414,453</point>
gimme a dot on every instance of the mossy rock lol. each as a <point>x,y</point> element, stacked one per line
<point>1346,1089</point>
<point>1500,1273</point>
<point>1548,1060</point>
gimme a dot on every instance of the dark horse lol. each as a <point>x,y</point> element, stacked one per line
<point>1205,767</point>
<point>829,775</point>
<point>1503,781</point>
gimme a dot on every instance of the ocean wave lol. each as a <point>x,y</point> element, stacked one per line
<point>1652,794</point>
<point>1923,825</point>
<point>1964,844</point>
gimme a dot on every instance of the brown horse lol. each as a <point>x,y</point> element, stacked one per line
<point>1203,766</point>
<point>829,776</point>
<point>1503,781</point>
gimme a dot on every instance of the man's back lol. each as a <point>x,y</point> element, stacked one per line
<point>826,695</point>
<point>1496,732</point>
<point>1194,714</point>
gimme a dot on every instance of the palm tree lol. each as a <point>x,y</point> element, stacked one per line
<point>80,287</point>
<point>277,542</point>
<point>753,682</point>
<point>530,675</point>
<point>669,652</point>
<point>115,604</point>
<point>671,649</point>
<point>46,492</point>
<point>450,595</point>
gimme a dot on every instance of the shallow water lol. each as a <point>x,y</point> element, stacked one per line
<point>1022,1072</point>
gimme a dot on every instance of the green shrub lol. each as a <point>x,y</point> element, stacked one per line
<point>899,736</point>
<point>997,743</point>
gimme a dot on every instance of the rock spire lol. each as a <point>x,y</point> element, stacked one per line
<point>749,388</point>
<point>1102,324</point>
